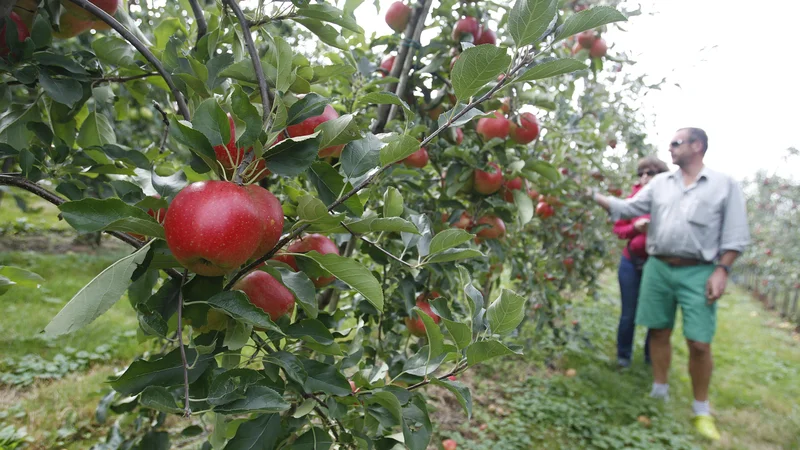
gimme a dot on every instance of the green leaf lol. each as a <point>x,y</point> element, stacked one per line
<point>417,428</point>
<point>340,130</point>
<point>353,273</point>
<point>324,32</point>
<point>454,254</point>
<point>291,157</point>
<point>324,73</point>
<point>194,140</point>
<point>164,371</point>
<point>546,170</point>
<point>550,68</point>
<point>461,333</point>
<point>211,120</point>
<point>328,13</point>
<point>237,305</point>
<point>460,390</point>
<point>388,401</point>
<point>398,148</point>
<point>300,285</point>
<point>96,130</point>
<point>360,156</point>
<point>311,209</point>
<point>249,114</point>
<point>393,203</point>
<point>309,106</point>
<point>330,185</point>
<point>114,51</point>
<point>260,433</point>
<point>111,214</point>
<point>385,98</point>
<point>529,20</point>
<point>326,378</point>
<point>314,439</point>
<point>588,19</point>
<point>311,329</point>
<point>67,91</point>
<point>477,66</point>
<point>449,238</point>
<point>525,206</point>
<point>281,52</point>
<point>290,364</point>
<point>160,399</point>
<point>463,120</point>
<point>478,352</point>
<point>389,224</point>
<point>97,297</point>
<point>21,277</point>
<point>435,336</point>
<point>243,71</point>
<point>506,312</point>
<point>258,399</point>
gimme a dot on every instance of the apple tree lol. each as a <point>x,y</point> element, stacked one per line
<point>319,219</point>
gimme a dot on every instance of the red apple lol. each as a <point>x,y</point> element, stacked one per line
<point>612,143</point>
<point>544,210</point>
<point>418,159</point>
<point>464,222</point>
<point>569,263</point>
<point>598,49</point>
<point>109,6</point>
<point>397,16</point>
<point>509,186</point>
<point>307,127</point>
<point>496,229</point>
<point>486,36</point>
<point>487,183</point>
<point>387,65</point>
<point>576,48</point>
<point>317,242</point>
<point>526,131</point>
<point>228,155</point>
<point>158,215</point>
<point>22,32</point>
<point>490,128</point>
<point>467,25</point>
<point>449,444</point>
<point>213,227</point>
<point>271,214</point>
<point>415,324</point>
<point>454,135</point>
<point>586,38</point>
<point>267,293</point>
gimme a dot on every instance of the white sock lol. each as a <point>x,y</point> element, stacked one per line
<point>660,391</point>
<point>701,408</point>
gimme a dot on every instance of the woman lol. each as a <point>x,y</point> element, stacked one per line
<point>630,266</point>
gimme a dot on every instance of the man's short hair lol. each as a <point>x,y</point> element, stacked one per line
<point>697,134</point>
<point>652,162</point>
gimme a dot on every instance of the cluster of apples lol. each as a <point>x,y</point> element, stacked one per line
<point>590,40</point>
<point>523,130</point>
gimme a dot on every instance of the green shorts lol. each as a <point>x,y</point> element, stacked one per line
<point>664,287</point>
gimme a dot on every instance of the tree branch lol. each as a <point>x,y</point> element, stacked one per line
<point>141,48</point>
<point>375,244</point>
<point>202,27</point>
<point>251,48</point>
<point>24,183</point>
<point>187,410</point>
<point>165,120</point>
<point>124,79</point>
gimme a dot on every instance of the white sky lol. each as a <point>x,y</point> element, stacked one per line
<point>736,67</point>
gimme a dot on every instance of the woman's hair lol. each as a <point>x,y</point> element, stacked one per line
<point>651,162</point>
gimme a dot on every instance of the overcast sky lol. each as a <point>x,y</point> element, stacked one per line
<point>731,68</point>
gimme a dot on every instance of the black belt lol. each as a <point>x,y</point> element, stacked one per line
<point>676,261</point>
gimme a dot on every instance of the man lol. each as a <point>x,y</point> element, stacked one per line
<point>697,228</point>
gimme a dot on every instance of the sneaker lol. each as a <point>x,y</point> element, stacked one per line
<point>623,363</point>
<point>705,427</point>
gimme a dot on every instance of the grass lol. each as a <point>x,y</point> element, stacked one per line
<point>41,214</point>
<point>755,390</point>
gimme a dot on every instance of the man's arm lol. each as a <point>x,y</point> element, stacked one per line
<point>734,237</point>
<point>638,205</point>
<point>715,286</point>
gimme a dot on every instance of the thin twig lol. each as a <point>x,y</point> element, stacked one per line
<point>251,48</point>
<point>323,416</point>
<point>165,120</point>
<point>202,27</point>
<point>375,244</point>
<point>266,20</point>
<point>124,79</point>
<point>141,48</point>
<point>24,183</point>
<point>187,410</point>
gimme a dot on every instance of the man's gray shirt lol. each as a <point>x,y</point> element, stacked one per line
<point>700,221</point>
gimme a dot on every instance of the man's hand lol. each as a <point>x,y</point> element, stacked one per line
<point>715,286</point>
<point>641,225</point>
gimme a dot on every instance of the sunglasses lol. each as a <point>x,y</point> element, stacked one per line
<point>679,142</point>
<point>649,173</point>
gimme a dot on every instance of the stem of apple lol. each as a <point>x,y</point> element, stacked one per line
<point>251,49</point>
<point>141,48</point>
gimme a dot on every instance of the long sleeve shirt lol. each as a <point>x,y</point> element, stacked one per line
<point>698,221</point>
